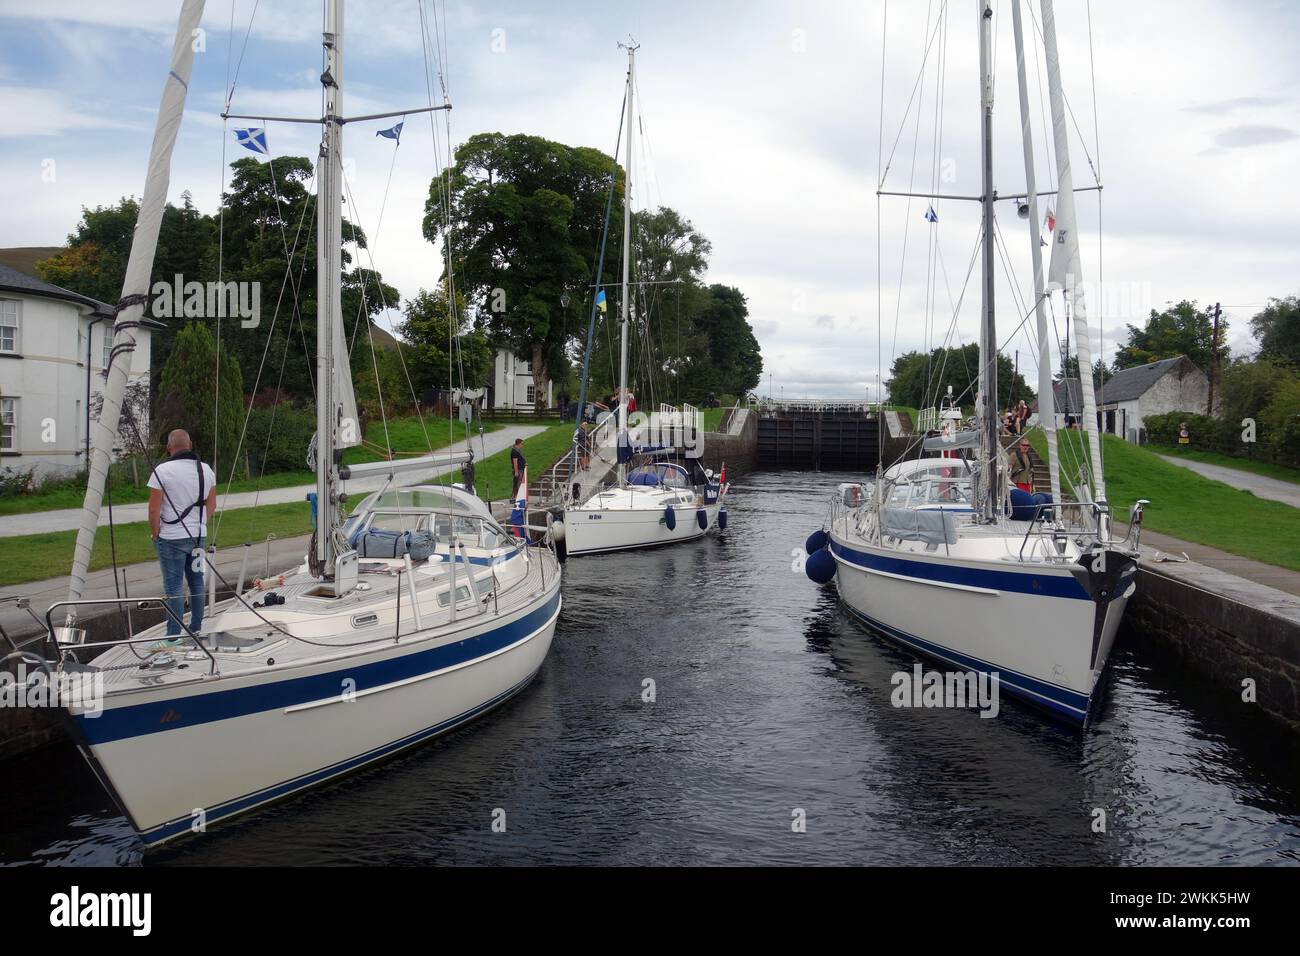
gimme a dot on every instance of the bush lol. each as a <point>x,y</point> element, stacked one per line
<point>15,483</point>
<point>1203,432</point>
<point>290,429</point>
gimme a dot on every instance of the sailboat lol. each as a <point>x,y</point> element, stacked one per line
<point>654,501</point>
<point>941,555</point>
<point>350,658</point>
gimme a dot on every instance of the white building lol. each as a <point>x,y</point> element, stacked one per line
<point>1170,385</point>
<point>47,337</point>
<point>513,385</point>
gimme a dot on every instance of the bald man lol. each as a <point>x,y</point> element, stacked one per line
<point>182,499</point>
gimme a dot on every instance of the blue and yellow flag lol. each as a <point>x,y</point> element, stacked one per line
<point>600,300</point>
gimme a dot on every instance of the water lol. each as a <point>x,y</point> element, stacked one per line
<point>768,699</point>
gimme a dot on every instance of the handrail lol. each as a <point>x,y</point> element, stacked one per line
<point>141,604</point>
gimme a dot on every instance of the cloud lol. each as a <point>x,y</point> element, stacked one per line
<point>1253,134</point>
<point>1236,103</point>
<point>39,112</point>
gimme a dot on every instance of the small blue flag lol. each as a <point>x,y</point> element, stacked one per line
<point>600,300</point>
<point>931,215</point>
<point>394,133</point>
<point>254,139</point>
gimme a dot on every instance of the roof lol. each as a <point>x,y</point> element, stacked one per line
<point>1067,395</point>
<point>11,280</point>
<point>1132,383</point>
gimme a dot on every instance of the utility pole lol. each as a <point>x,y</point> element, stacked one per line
<point>1214,358</point>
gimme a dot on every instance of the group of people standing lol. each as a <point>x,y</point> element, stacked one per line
<point>1016,420</point>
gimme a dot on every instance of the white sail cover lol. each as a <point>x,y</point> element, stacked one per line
<point>135,285</point>
<point>344,394</point>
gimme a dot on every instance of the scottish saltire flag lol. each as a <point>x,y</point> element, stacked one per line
<point>394,133</point>
<point>254,139</point>
<point>600,300</point>
<point>931,215</point>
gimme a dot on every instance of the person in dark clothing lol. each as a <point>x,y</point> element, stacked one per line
<point>518,465</point>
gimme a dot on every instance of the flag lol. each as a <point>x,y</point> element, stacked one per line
<point>1051,219</point>
<point>394,133</point>
<point>931,215</point>
<point>600,301</point>
<point>254,139</point>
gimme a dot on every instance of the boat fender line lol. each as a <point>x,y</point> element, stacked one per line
<point>670,518</point>
<point>816,541</point>
<point>702,519</point>
<point>820,566</point>
<point>722,518</point>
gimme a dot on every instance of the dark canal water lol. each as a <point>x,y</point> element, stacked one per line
<point>768,699</point>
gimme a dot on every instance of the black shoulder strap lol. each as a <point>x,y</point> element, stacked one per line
<point>182,515</point>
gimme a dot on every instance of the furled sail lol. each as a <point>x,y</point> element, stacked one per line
<point>349,430</point>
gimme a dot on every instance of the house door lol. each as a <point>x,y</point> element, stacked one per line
<point>1110,421</point>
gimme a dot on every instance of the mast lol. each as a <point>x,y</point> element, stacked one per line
<point>1065,270</point>
<point>1046,400</point>
<point>627,255</point>
<point>329,310</point>
<point>135,286</point>
<point>988,328</point>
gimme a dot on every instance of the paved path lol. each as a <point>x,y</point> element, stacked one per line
<point>1271,575</point>
<point>1259,485</point>
<point>69,519</point>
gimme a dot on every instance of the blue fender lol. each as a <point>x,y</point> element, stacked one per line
<point>816,541</point>
<point>702,519</point>
<point>1023,505</point>
<point>820,566</point>
<point>670,518</point>
<point>722,518</point>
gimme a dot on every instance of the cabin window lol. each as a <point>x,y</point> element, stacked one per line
<point>462,594</point>
<point>8,424</point>
<point>9,325</point>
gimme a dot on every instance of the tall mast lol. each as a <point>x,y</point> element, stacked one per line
<point>627,255</point>
<point>135,286</point>
<point>1065,270</point>
<point>988,329</point>
<point>1046,403</point>
<point>329,311</point>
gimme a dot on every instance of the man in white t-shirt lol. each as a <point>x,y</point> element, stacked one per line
<point>182,498</point>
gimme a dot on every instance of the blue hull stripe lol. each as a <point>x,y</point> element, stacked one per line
<point>170,714</point>
<point>1024,582</point>
<point>1060,701</point>
<point>172,828</point>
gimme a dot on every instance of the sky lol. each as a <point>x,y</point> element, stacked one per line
<point>765,124</point>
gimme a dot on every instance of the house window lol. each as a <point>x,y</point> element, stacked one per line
<point>108,345</point>
<point>532,394</point>
<point>8,424</point>
<point>8,325</point>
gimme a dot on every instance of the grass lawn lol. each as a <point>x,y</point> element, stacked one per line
<point>35,557</point>
<point>1266,468</point>
<point>713,418</point>
<point>405,435</point>
<point>1187,505</point>
<point>492,474</point>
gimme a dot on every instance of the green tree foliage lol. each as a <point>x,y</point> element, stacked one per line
<point>1247,387</point>
<point>920,381</point>
<point>526,215</point>
<point>189,400</point>
<point>1277,328</point>
<point>1101,372</point>
<point>1183,329</point>
<point>431,353</point>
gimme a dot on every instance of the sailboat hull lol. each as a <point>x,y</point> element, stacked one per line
<point>1037,628</point>
<point>178,759</point>
<point>594,531</point>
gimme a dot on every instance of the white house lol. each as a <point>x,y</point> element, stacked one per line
<point>512,383</point>
<point>1170,385</point>
<point>53,344</point>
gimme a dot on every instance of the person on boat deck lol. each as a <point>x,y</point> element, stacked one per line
<point>517,466</point>
<point>1021,471</point>
<point>182,499</point>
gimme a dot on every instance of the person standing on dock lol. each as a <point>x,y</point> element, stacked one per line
<point>182,499</point>
<point>518,468</point>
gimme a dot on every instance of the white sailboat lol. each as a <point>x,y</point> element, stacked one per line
<point>654,502</point>
<point>941,555</point>
<point>347,659</point>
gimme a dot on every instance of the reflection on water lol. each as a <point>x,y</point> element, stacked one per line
<point>768,699</point>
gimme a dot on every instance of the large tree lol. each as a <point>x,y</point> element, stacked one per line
<point>434,357</point>
<point>1277,328</point>
<point>525,217</point>
<point>918,380</point>
<point>190,399</point>
<point>1183,329</point>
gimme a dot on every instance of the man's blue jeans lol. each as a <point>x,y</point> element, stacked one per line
<point>181,566</point>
